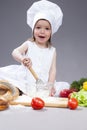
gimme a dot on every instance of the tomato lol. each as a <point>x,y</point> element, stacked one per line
<point>69,96</point>
<point>64,93</point>
<point>72,103</point>
<point>37,103</point>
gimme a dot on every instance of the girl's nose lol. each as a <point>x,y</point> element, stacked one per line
<point>42,30</point>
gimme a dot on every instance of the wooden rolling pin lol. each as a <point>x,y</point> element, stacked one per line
<point>38,81</point>
<point>33,73</point>
<point>61,103</point>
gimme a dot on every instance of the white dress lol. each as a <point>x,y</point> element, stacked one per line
<point>41,59</point>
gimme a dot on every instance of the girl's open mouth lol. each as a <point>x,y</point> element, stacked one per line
<point>42,37</point>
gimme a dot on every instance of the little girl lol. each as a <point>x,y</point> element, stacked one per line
<point>45,18</point>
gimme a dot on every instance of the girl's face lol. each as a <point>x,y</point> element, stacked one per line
<point>42,32</point>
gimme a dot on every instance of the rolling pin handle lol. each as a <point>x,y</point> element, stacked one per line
<point>33,73</point>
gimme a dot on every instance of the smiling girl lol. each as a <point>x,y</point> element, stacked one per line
<point>45,18</point>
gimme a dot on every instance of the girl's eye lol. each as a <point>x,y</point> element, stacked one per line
<point>37,27</point>
<point>47,28</point>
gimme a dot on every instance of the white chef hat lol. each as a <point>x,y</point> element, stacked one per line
<point>44,9</point>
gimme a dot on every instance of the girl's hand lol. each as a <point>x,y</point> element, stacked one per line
<point>53,91</point>
<point>27,62</point>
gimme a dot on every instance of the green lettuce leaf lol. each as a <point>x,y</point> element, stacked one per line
<point>81,96</point>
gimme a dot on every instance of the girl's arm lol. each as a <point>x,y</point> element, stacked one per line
<point>52,73</point>
<point>19,55</point>
<point>19,52</point>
